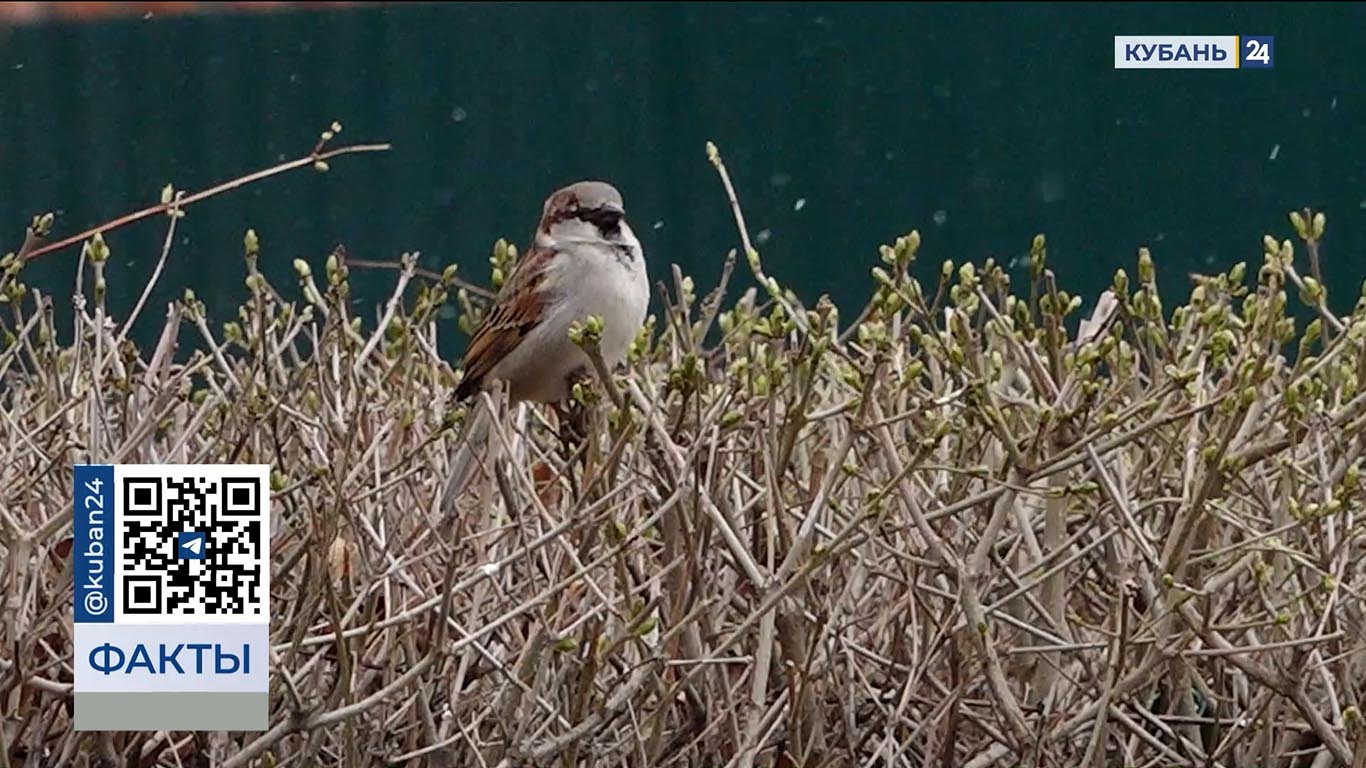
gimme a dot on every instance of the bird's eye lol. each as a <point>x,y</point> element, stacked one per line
<point>605,219</point>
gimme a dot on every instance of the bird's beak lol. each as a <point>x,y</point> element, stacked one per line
<point>614,209</point>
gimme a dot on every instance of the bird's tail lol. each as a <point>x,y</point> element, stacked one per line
<point>464,461</point>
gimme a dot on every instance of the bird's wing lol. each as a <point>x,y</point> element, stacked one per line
<point>516,311</point>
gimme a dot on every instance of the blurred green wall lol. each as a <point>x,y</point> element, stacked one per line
<point>844,126</point>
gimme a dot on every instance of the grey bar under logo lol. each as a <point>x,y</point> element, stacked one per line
<point>161,711</point>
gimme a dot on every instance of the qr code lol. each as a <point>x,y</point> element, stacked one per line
<point>192,543</point>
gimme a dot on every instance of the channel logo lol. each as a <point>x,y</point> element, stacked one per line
<point>171,597</point>
<point>1195,52</point>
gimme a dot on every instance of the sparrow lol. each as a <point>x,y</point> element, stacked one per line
<point>584,260</point>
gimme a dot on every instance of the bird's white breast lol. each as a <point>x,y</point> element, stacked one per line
<point>589,277</point>
<point>601,280</point>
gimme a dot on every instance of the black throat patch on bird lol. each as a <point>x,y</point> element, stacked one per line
<point>626,255</point>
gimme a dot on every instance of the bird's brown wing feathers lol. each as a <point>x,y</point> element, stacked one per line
<point>515,313</point>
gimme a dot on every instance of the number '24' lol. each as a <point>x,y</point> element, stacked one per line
<point>1258,50</point>
<point>94,486</point>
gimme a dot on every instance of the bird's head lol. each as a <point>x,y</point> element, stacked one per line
<point>588,209</point>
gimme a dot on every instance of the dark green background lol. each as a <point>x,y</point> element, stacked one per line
<point>978,124</point>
